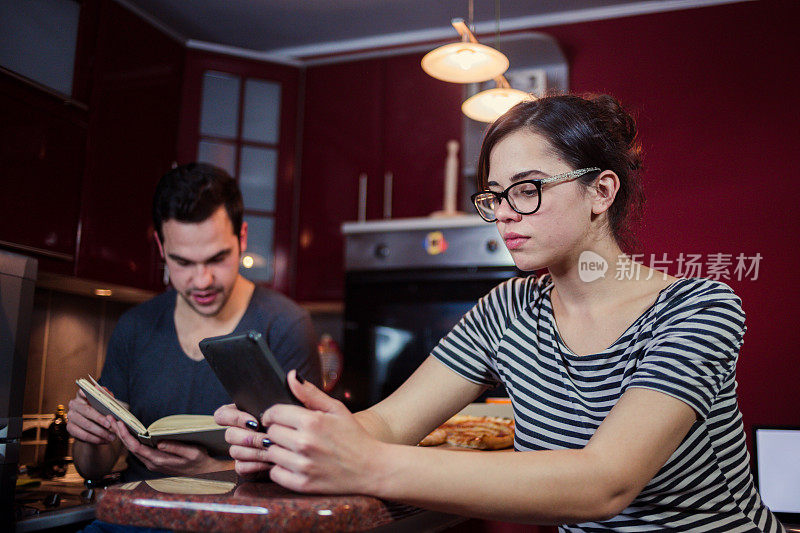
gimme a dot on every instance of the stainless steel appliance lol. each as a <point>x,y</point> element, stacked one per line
<point>407,283</point>
<point>17,281</point>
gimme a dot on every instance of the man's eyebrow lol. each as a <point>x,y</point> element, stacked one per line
<point>218,255</point>
<point>525,174</point>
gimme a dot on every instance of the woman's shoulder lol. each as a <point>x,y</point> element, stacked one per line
<point>685,290</point>
<point>518,293</point>
<point>699,295</point>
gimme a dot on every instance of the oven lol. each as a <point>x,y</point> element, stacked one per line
<point>407,283</point>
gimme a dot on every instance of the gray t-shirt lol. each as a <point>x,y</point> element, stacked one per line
<point>147,368</point>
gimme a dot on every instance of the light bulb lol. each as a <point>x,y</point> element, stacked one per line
<point>487,106</point>
<point>464,63</point>
<point>466,58</point>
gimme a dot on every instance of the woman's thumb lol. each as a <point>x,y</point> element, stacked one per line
<point>309,395</point>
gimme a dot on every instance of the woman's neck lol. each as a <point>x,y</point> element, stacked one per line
<point>588,278</point>
<point>601,278</point>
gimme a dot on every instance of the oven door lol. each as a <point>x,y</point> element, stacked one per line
<point>393,319</point>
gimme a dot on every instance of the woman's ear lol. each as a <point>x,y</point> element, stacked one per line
<point>604,190</point>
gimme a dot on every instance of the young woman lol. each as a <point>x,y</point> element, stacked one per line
<point>623,387</point>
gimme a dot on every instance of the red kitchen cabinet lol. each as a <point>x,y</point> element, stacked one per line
<point>421,114</point>
<point>341,140</point>
<point>42,150</point>
<point>367,117</point>
<point>78,177</point>
<point>283,213</point>
<point>133,129</point>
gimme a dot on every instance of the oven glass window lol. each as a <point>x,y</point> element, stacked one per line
<point>391,326</point>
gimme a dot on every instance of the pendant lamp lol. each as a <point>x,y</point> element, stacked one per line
<point>489,105</point>
<point>467,61</point>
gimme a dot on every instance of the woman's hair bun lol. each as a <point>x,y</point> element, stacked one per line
<point>619,127</point>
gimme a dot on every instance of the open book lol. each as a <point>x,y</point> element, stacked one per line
<point>191,429</point>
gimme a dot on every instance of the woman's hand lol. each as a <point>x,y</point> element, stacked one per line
<point>243,435</point>
<point>320,448</point>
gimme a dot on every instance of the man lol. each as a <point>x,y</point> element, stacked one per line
<point>153,361</point>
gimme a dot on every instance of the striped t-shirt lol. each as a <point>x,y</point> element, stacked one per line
<point>685,345</point>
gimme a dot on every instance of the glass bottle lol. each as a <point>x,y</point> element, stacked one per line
<point>55,454</point>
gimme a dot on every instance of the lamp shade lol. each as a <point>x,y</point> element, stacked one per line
<point>487,106</point>
<point>464,62</point>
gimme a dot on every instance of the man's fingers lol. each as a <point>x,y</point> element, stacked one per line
<point>134,446</point>
<point>147,464</point>
<point>152,458</point>
<point>88,430</point>
<point>81,406</point>
<point>125,436</point>
<point>179,449</point>
<point>77,421</point>
<point>80,434</point>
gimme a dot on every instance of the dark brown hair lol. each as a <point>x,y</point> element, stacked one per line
<point>192,192</point>
<point>585,131</point>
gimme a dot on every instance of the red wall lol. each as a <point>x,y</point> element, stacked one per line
<point>715,90</point>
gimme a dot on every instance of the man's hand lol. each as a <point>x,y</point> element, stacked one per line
<point>87,424</point>
<point>170,457</point>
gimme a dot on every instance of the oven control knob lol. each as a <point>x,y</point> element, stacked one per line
<point>492,245</point>
<point>381,251</point>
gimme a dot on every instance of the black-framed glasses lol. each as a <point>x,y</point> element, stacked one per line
<point>524,197</point>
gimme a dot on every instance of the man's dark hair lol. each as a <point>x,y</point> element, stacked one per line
<point>192,192</point>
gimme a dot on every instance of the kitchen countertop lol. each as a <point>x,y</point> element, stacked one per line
<point>33,514</point>
<point>220,502</point>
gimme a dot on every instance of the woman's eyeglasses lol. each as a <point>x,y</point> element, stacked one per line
<point>524,197</point>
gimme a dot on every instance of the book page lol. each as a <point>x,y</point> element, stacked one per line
<point>115,407</point>
<point>190,485</point>
<point>183,424</point>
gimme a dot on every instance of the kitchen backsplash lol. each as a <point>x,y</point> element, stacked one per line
<point>69,334</point>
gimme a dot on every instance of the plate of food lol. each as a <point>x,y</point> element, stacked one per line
<point>473,432</point>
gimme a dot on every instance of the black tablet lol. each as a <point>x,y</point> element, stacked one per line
<point>249,371</point>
